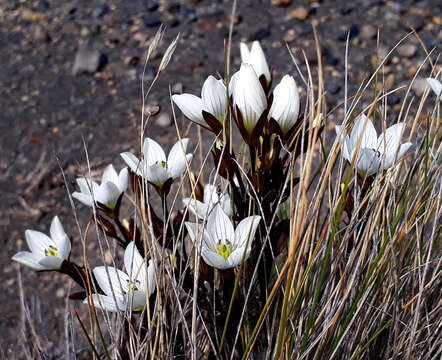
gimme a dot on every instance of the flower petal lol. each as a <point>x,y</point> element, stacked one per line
<point>84,184</point>
<point>219,226</point>
<point>123,179</point>
<point>214,259</point>
<point>405,149</point>
<point>340,132</point>
<point>133,162</point>
<point>363,131</point>
<point>108,194</point>
<point>436,86</point>
<point>150,278</point>
<point>84,198</point>
<point>28,259</point>
<point>107,303</point>
<point>258,60</point>
<point>178,166</point>
<point>285,106</point>
<point>196,207</point>
<point>117,280</point>
<point>208,242</point>
<point>226,204</point>
<point>389,142</point>
<point>246,231</point>
<point>214,98</point>
<point>157,175</point>
<point>109,175</point>
<point>51,262</point>
<point>236,256</point>
<point>368,161</point>
<point>245,52</point>
<point>177,153</point>
<point>191,106</point>
<point>153,152</point>
<point>134,264</point>
<point>38,242</point>
<point>249,96</point>
<point>60,238</point>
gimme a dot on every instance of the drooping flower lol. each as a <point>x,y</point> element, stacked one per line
<point>257,59</point>
<point>223,247</point>
<point>107,193</point>
<point>436,86</point>
<point>374,153</point>
<point>285,105</point>
<point>208,111</point>
<point>130,288</point>
<point>155,167</point>
<point>47,253</point>
<point>249,98</point>
<point>211,198</point>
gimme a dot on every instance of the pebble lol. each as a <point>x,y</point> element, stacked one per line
<point>281,3</point>
<point>419,86</point>
<point>108,257</point>
<point>415,21</point>
<point>164,120</point>
<point>259,34</point>
<point>437,20</point>
<point>352,32</point>
<point>87,60</point>
<point>152,22</point>
<point>40,34</point>
<point>407,50</point>
<point>290,36</point>
<point>333,89</point>
<point>42,5</point>
<point>60,293</point>
<point>10,5</point>
<point>368,32</point>
<point>177,88</point>
<point>150,5</point>
<point>99,11</point>
<point>300,13</point>
<point>151,109</point>
<point>131,60</point>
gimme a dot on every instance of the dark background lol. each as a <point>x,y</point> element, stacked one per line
<point>49,111</point>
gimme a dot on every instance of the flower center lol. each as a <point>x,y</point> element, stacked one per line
<point>51,251</point>
<point>224,248</point>
<point>133,285</point>
<point>163,164</point>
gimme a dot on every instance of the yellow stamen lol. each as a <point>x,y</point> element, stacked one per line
<point>224,248</point>
<point>51,251</point>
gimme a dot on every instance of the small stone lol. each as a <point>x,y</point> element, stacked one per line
<point>150,5</point>
<point>368,32</point>
<point>31,16</point>
<point>177,88</point>
<point>42,5</point>
<point>259,34</point>
<point>164,120</point>
<point>174,22</point>
<point>131,60</point>
<point>334,89</point>
<point>300,13</point>
<point>389,81</point>
<point>346,10</point>
<point>416,22</point>
<point>99,11</point>
<point>331,60</point>
<point>60,293</point>
<point>40,34</point>
<point>281,3</point>
<point>10,5</point>
<point>407,50</point>
<point>152,22</point>
<point>290,36</point>
<point>352,32</point>
<point>419,86</point>
<point>108,257</point>
<point>437,20</point>
<point>87,60</point>
<point>151,109</point>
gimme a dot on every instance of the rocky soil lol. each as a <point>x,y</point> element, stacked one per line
<point>70,79</point>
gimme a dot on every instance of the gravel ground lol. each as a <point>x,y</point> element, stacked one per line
<point>71,74</point>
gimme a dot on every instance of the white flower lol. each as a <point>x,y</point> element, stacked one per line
<point>107,193</point>
<point>47,253</point>
<point>436,86</point>
<point>374,153</point>
<point>155,167</point>
<point>256,58</point>
<point>130,288</point>
<point>249,96</point>
<point>223,247</point>
<point>211,198</point>
<point>285,106</point>
<point>213,101</point>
